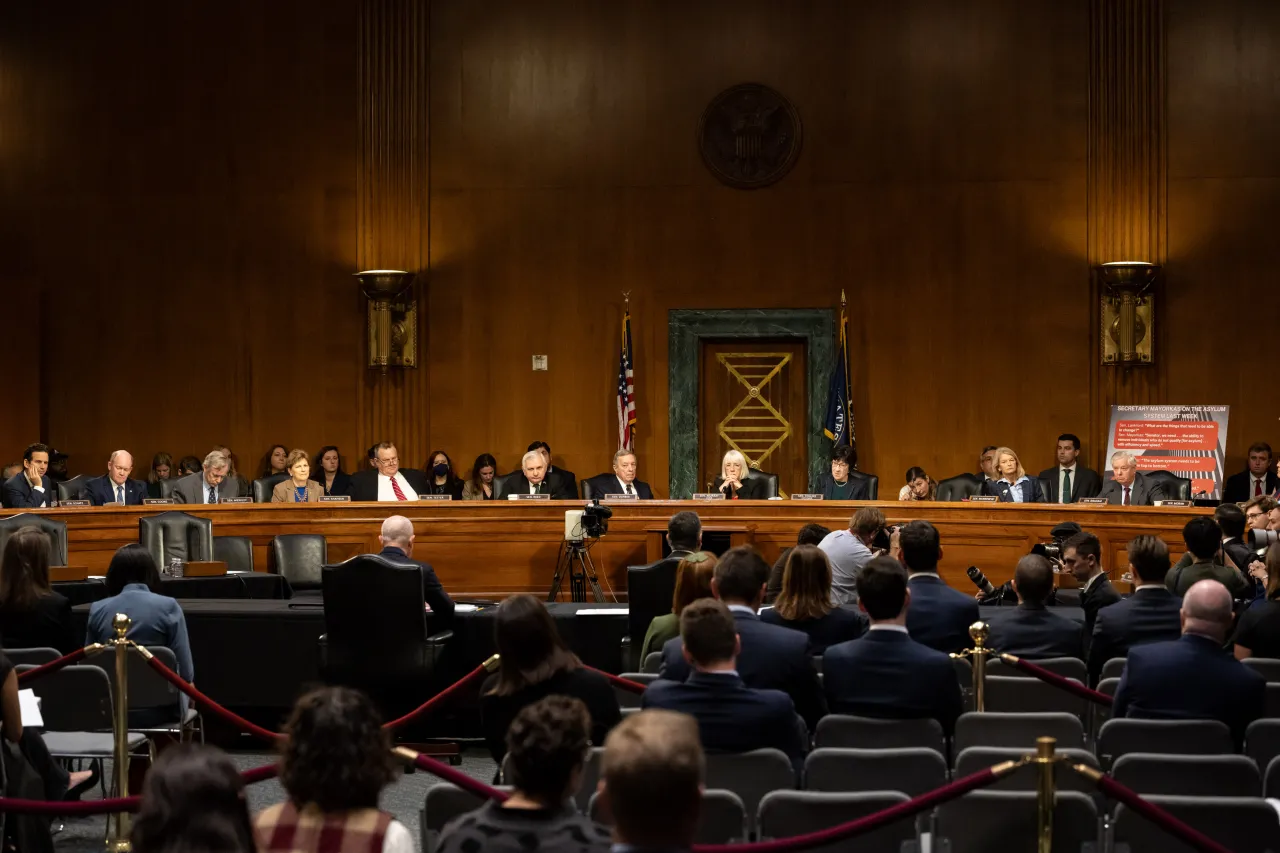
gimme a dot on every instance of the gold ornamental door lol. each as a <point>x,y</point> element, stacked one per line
<point>752,398</point>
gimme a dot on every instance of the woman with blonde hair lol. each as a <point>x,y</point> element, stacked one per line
<point>299,488</point>
<point>805,602</point>
<point>736,481</point>
<point>693,581</point>
<point>1011,483</point>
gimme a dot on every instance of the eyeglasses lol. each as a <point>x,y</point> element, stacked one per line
<point>393,459</point>
<point>1251,516</point>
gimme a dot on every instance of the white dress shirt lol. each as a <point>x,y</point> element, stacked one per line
<point>118,491</point>
<point>625,488</point>
<point>1253,484</point>
<point>386,493</point>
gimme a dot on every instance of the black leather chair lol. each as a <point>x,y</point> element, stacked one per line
<point>770,482</point>
<point>500,488</point>
<point>959,487</point>
<point>235,551</point>
<point>167,486</point>
<point>57,531</point>
<point>649,592</point>
<point>1175,487</point>
<point>300,557</point>
<point>263,487</point>
<point>73,489</point>
<point>176,534</point>
<point>872,481</point>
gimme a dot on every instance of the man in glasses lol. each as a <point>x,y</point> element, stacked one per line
<point>387,481</point>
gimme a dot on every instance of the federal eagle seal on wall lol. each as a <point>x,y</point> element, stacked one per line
<point>749,136</point>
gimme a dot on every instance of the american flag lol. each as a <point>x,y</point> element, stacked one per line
<point>626,389</point>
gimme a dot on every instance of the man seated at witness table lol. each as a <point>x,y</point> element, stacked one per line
<point>885,673</point>
<point>771,657</point>
<point>211,485</point>
<point>1203,538</point>
<point>732,717</point>
<point>622,481</point>
<point>531,479</point>
<point>1069,481</point>
<point>849,550</point>
<point>387,481</point>
<point>1032,630</point>
<point>1256,480</point>
<point>563,484</point>
<point>940,616</point>
<point>1150,615</point>
<point>1192,677</point>
<point>1128,487</point>
<point>396,540</point>
<point>31,487</point>
<point>1082,556</point>
<point>116,487</point>
<point>810,534</point>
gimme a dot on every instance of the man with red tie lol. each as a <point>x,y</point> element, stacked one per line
<point>1128,487</point>
<point>387,481</point>
<point>1257,480</point>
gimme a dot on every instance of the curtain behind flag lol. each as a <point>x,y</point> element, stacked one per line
<point>626,390</point>
<point>839,422</point>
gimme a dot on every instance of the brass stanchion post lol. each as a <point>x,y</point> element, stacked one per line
<point>978,632</point>
<point>121,623</point>
<point>1046,760</point>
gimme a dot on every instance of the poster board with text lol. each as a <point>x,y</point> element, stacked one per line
<point>1188,441</point>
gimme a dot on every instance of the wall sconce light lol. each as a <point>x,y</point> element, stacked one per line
<point>393,318</point>
<point>1128,311</point>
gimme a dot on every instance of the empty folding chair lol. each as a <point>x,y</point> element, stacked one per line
<point>1102,713</point>
<point>155,704</point>
<point>913,770</point>
<point>628,699</point>
<point>1188,775</point>
<point>977,758</point>
<point>442,804</point>
<point>1066,667</point>
<point>722,818</point>
<point>1113,668</point>
<point>1240,824</point>
<point>841,730</point>
<point>751,775</point>
<point>1165,737</point>
<point>1271,782</point>
<point>1030,695</point>
<point>786,814</point>
<point>1262,741</point>
<point>652,663</point>
<point>1017,730</point>
<point>964,674</point>
<point>33,657</point>
<point>1268,668</point>
<point>1006,820</point>
<point>1273,700</point>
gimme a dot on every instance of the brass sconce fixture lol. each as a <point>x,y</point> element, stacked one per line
<point>1128,311</point>
<point>393,318</point>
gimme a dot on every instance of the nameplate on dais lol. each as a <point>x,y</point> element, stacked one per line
<point>236,500</point>
<point>1157,503</point>
<point>807,496</point>
<point>79,503</point>
<point>435,497</point>
<point>984,499</point>
<point>529,497</point>
<point>708,496</point>
<point>619,498</point>
<point>335,499</point>
<point>1092,501</point>
<point>156,501</point>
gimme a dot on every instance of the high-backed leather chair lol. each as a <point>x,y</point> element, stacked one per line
<point>770,483</point>
<point>501,487</point>
<point>872,481</point>
<point>167,486</point>
<point>959,487</point>
<point>299,557</point>
<point>262,488</point>
<point>176,534</point>
<point>57,531</point>
<point>235,551</point>
<point>73,489</point>
<point>1175,488</point>
<point>649,592</point>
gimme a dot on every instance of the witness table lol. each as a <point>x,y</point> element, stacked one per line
<point>247,585</point>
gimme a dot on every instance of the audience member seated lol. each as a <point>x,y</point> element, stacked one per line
<point>31,487</point>
<point>810,534</point>
<point>563,484</point>
<point>397,539</point>
<point>480,486</point>
<point>1192,678</point>
<point>732,717</point>
<point>157,620</point>
<point>987,463</point>
<point>1230,518</point>
<point>334,762</point>
<point>1150,615</point>
<point>329,474</point>
<point>1011,484</point>
<point>849,550</point>
<point>531,479</point>
<point>1256,480</point>
<point>623,479</point>
<point>193,801</point>
<point>188,465</point>
<point>233,473</point>
<point>886,673</point>
<point>1258,631</point>
<point>299,488</point>
<point>805,602</point>
<point>1032,630</point>
<point>10,470</point>
<point>32,615</point>
<point>736,480</point>
<point>772,657</point>
<point>1127,487</point>
<point>115,486</point>
<point>837,485</point>
<point>1203,538</point>
<point>1257,512</point>
<point>1069,481</point>
<point>920,487</point>
<point>387,481</point>
<point>693,581</point>
<point>441,480</point>
<point>1082,556</point>
<point>547,747</point>
<point>213,484</point>
<point>651,782</point>
<point>275,462</point>
<point>536,663</point>
<point>940,616</point>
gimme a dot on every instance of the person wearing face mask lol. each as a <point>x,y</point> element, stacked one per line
<point>443,480</point>
<point>299,488</point>
<point>328,472</point>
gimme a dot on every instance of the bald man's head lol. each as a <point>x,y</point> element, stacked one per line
<point>1206,610</point>
<point>397,532</point>
<point>119,467</point>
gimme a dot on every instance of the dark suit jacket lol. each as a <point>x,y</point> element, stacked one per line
<point>100,490</point>
<point>888,674</point>
<point>16,493</point>
<point>838,626</point>
<point>1143,492</point>
<point>1101,594</point>
<point>1237,488</point>
<point>772,658</point>
<point>1031,491</point>
<point>341,483</point>
<point>607,484</point>
<point>564,484</point>
<point>857,492</point>
<point>1085,483</point>
<point>432,590</point>
<point>364,486</point>
<point>753,489</point>
<point>46,625</point>
<point>1190,678</point>
<point>939,616</point>
<point>518,484</point>
<point>1150,615</point>
<point>1034,631</point>
<point>188,489</point>
<point>733,717</point>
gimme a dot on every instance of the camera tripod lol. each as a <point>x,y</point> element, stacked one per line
<point>575,560</point>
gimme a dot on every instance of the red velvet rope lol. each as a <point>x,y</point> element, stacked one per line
<point>625,683</point>
<point>69,807</point>
<point>1073,687</point>
<point>1158,816</point>
<point>53,665</point>
<point>457,777</point>
<point>207,703</point>
<point>260,774</point>
<point>439,698</point>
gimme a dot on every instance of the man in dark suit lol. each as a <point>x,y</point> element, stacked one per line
<point>1203,538</point>
<point>1256,480</point>
<point>940,616</point>
<point>886,673</point>
<point>621,482</point>
<point>1069,481</point>
<point>1192,678</point>
<point>115,486</point>
<point>564,485</point>
<point>387,481</point>
<point>1127,487</point>
<point>1082,556</point>
<point>30,487</point>
<point>772,657</point>
<point>396,540</point>
<point>1150,615</point>
<point>1032,630</point>
<point>210,485</point>
<point>1230,518</point>
<point>732,717</point>
<point>651,588</point>
<point>532,479</point>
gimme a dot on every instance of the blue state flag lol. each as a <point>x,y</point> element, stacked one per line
<point>839,423</point>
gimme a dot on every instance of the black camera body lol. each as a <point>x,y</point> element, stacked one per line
<point>595,519</point>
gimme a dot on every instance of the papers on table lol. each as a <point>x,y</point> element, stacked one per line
<point>604,611</point>
<point>30,706</point>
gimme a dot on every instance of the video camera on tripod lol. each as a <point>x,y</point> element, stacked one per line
<point>582,528</point>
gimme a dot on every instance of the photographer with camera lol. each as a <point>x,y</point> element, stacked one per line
<point>1082,556</point>
<point>1032,630</point>
<point>850,550</point>
<point>1203,538</point>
